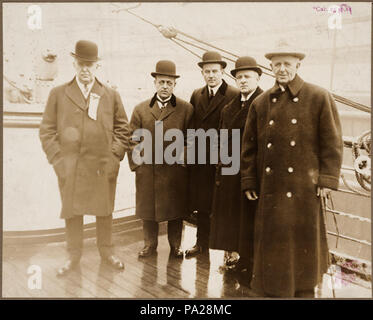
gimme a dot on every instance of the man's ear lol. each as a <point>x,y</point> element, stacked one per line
<point>298,65</point>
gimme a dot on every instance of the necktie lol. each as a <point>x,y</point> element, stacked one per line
<point>211,94</point>
<point>163,103</point>
<point>86,91</point>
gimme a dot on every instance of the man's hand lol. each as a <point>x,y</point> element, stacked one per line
<point>251,194</point>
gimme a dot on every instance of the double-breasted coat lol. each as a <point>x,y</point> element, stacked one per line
<point>232,213</point>
<point>292,144</point>
<point>161,189</point>
<point>85,152</point>
<point>206,116</point>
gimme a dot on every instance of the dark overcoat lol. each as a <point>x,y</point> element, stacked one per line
<point>292,144</point>
<point>161,189</point>
<point>232,212</point>
<point>85,153</point>
<point>206,116</point>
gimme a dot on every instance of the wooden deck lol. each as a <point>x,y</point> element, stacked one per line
<point>160,276</point>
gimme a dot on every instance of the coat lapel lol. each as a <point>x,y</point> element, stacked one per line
<point>98,88</point>
<point>166,111</point>
<point>239,113</point>
<point>204,99</point>
<point>216,101</point>
<point>73,92</point>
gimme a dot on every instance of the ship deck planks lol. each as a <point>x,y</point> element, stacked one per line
<point>159,276</point>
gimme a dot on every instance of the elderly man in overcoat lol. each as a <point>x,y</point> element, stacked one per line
<point>208,102</point>
<point>161,184</point>
<point>232,213</point>
<point>84,133</point>
<point>292,151</point>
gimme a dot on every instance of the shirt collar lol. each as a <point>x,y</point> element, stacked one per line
<point>243,99</point>
<point>215,89</point>
<point>82,86</point>
<point>165,100</point>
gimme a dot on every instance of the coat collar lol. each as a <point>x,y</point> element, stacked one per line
<point>73,92</point>
<point>294,86</point>
<point>238,114</point>
<point>159,114</point>
<point>154,99</point>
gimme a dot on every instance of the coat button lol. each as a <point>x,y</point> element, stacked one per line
<point>274,100</point>
<point>292,143</point>
<point>268,169</point>
<point>271,122</point>
<point>269,145</point>
<point>290,169</point>
<point>98,172</point>
<point>294,121</point>
<point>289,194</point>
<point>217,183</point>
<point>295,99</point>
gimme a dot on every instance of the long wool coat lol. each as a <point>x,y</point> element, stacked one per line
<point>231,210</point>
<point>85,153</point>
<point>206,116</point>
<point>161,189</point>
<point>292,143</point>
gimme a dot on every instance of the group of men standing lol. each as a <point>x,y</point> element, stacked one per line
<point>266,218</point>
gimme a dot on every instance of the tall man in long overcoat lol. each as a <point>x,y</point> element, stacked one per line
<point>85,133</point>
<point>208,102</point>
<point>292,150</point>
<point>232,221</point>
<point>161,184</point>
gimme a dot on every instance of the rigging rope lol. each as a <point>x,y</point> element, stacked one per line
<point>172,33</point>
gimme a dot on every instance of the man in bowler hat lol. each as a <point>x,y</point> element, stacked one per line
<point>208,102</point>
<point>84,133</point>
<point>161,187</point>
<point>291,151</point>
<point>232,221</point>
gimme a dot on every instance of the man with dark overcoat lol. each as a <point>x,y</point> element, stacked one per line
<point>208,102</point>
<point>232,213</point>
<point>84,133</point>
<point>291,153</point>
<point>161,184</point>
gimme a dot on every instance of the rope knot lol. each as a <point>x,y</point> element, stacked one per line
<point>167,32</point>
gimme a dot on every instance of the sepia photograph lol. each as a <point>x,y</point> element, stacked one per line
<point>186,150</point>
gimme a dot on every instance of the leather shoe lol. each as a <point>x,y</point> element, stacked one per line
<point>147,252</point>
<point>177,252</point>
<point>114,262</point>
<point>194,251</point>
<point>67,267</point>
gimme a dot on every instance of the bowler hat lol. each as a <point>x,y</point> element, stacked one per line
<point>283,48</point>
<point>165,68</point>
<point>86,50</point>
<point>246,63</point>
<point>212,57</point>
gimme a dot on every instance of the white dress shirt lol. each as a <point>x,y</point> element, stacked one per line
<point>214,89</point>
<point>85,88</point>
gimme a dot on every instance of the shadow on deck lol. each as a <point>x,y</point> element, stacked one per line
<point>159,276</point>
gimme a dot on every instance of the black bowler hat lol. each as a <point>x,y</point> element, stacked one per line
<point>165,68</point>
<point>212,57</point>
<point>246,63</point>
<point>86,50</point>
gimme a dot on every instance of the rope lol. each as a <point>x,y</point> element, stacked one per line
<point>171,33</point>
